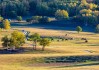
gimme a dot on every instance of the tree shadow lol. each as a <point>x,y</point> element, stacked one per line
<point>55,25</point>
<point>78,65</point>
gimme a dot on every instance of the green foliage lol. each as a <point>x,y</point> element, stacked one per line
<point>6,41</point>
<point>61,9</point>
<point>61,14</point>
<point>86,12</point>
<point>42,9</point>
<point>89,17</point>
<point>45,20</point>
<point>92,20</point>
<point>97,2</point>
<point>1,25</point>
<point>14,8</point>
<point>35,38</point>
<point>44,42</point>
<point>12,14</point>
<point>17,39</point>
<point>28,20</point>
<point>97,28</point>
<point>83,1</point>
<point>19,18</point>
<point>92,6</point>
<point>1,19</point>
<point>96,13</point>
<point>6,24</point>
<point>37,18</point>
<point>78,29</point>
<point>34,18</point>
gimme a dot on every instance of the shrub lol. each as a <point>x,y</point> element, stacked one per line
<point>78,29</point>
<point>45,20</point>
<point>19,18</point>
<point>37,18</point>
<point>1,19</point>
<point>29,20</point>
<point>97,28</point>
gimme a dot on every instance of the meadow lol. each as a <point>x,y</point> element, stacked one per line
<point>71,46</point>
<point>70,26</point>
<point>33,60</point>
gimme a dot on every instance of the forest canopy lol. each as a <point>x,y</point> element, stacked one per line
<point>84,10</point>
<point>15,8</point>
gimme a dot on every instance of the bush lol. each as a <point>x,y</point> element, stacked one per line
<point>1,25</point>
<point>78,29</point>
<point>97,28</point>
<point>29,20</point>
<point>45,20</point>
<point>1,19</point>
<point>37,18</point>
<point>19,18</point>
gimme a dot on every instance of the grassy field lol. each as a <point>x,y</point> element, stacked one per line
<point>35,62</point>
<point>73,46</point>
<point>76,47</point>
<point>9,67</point>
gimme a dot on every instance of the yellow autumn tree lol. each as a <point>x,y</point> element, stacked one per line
<point>61,14</point>
<point>92,6</point>
<point>85,12</point>
<point>83,1</point>
<point>6,24</point>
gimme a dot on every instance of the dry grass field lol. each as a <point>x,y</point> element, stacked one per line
<point>76,47</point>
<point>72,46</point>
<point>29,62</point>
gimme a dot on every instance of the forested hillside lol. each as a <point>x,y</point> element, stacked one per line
<point>79,10</point>
<point>13,8</point>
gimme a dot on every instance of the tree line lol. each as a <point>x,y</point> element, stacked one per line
<point>15,8</point>
<point>17,39</point>
<point>74,10</point>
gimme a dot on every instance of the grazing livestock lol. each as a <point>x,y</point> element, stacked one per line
<point>83,39</point>
<point>86,41</point>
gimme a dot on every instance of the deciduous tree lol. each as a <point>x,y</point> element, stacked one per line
<point>78,29</point>
<point>19,18</point>
<point>6,41</point>
<point>44,42</point>
<point>97,28</point>
<point>17,39</point>
<point>6,24</point>
<point>61,14</point>
<point>35,38</point>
